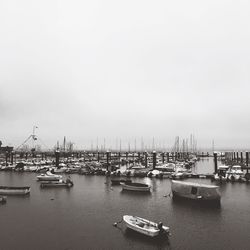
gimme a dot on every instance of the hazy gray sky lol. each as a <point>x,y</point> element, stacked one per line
<point>125,69</point>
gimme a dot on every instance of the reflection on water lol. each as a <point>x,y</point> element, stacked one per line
<point>136,194</point>
<point>159,242</point>
<point>194,205</point>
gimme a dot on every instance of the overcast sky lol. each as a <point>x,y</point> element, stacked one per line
<point>125,69</point>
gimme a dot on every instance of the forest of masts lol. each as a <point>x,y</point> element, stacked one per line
<point>180,145</point>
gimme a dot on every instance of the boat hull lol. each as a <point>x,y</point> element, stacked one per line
<point>143,226</point>
<point>56,184</point>
<point>48,178</point>
<point>50,185</point>
<point>194,191</point>
<point>14,190</point>
<point>131,187</point>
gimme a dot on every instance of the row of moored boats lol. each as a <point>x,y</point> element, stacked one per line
<point>233,173</point>
<point>46,180</point>
<point>181,189</point>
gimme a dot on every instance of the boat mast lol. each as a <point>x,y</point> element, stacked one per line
<point>34,138</point>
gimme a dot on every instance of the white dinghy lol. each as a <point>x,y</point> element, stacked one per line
<point>144,226</point>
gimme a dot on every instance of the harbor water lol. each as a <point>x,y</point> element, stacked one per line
<point>82,217</point>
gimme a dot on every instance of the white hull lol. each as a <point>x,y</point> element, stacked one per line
<point>235,173</point>
<point>56,185</point>
<point>143,226</point>
<point>49,177</point>
<point>14,191</point>
<point>60,170</point>
<point>195,191</point>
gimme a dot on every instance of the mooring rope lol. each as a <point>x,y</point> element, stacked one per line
<point>118,222</point>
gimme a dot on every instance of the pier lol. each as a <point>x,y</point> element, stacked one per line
<point>141,163</point>
<point>137,163</point>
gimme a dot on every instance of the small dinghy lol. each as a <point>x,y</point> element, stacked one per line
<point>144,226</point>
<point>5,190</point>
<point>48,176</point>
<point>61,183</point>
<point>135,186</point>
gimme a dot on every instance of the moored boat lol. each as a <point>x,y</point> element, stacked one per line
<point>167,170</point>
<point>180,173</point>
<point>61,183</point>
<point>60,170</point>
<point>221,174</point>
<point>235,173</point>
<point>135,186</point>
<point>195,191</point>
<point>48,176</point>
<point>144,226</point>
<point>6,190</point>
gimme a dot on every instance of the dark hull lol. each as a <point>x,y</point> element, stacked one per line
<point>13,188</point>
<point>179,198</point>
<point>5,190</point>
<point>55,185</point>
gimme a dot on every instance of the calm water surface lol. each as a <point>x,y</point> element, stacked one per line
<point>82,217</point>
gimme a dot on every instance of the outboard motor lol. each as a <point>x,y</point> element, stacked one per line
<point>160,224</point>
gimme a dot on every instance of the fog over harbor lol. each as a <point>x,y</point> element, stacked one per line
<point>125,70</point>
